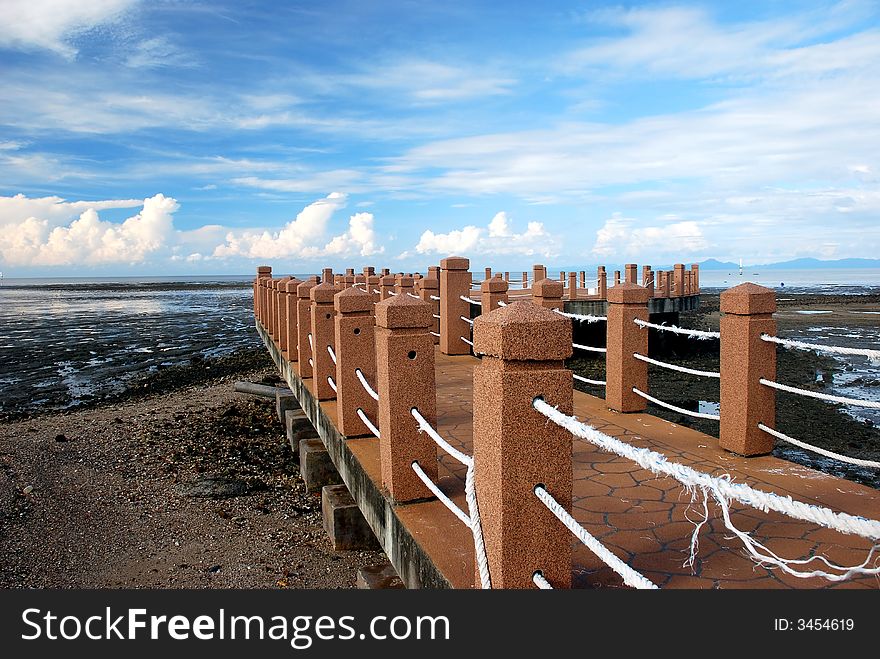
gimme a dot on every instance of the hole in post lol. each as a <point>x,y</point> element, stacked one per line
<point>357,330</point>
<point>412,354</point>
<point>539,486</point>
<point>327,316</point>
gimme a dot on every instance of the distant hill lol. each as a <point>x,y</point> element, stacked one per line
<point>794,264</point>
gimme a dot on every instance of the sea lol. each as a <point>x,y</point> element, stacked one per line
<point>69,341</point>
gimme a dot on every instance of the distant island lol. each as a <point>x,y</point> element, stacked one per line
<point>794,264</point>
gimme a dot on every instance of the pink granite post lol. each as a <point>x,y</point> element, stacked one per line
<point>349,278</point>
<point>488,273</point>
<point>405,380</point>
<point>271,313</point>
<point>562,277</point>
<point>525,280</point>
<point>537,273</point>
<point>602,282</point>
<point>386,286</point>
<point>626,302</point>
<point>507,277</point>
<point>617,277</point>
<point>695,269</point>
<point>646,274</point>
<point>355,349</point>
<point>291,332</point>
<point>405,286</point>
<point>678,279</point>
<point>515,448</point>
<point>304,326</point>
<point>429,290</point>
<point>384,272</point>
<point>583,278</point>
<point>632,273</point>
<point>282,315</point>
<point>323,335</point>
<point>372,283</point>
<point>747,313</point>
<point>263,272</point>
<point>547,293</point>
<point>649,281</point>
<point>455,281</point>
<point>493,291</point>
<point>572,286</point>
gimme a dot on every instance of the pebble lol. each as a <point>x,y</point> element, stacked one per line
<point>28,489</point>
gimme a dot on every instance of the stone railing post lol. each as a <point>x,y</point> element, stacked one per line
<point>583,278</point>
<point>455,281</point>
<point>515,449</point>
<point>355,349</point>
<point>747,313</point>
<point>263,272</point>
<point>430,288</point>
<point>280,310</point>
<point>525,279</point>
<point>632,273</point>
<point>405,380</point>
<point>695,269</point>
<point>548,293</point>
<point>405,286</point>
<point>271,308</point>
<point>572,286</point>
<point>667,283</point>
<point>537,273</point>
<point>290,332</point>
<point>602,282</point>
<point>386,286</point>
<point>488,274</point>
<point>304,326</point>
<point>678,279</point>
<point>626,302</point>
<point>493,291</point>
<point>646,275</point>
<point>617,277</point>
<point>323,335</point>
<point>283,314</point>
<point>648,281</point>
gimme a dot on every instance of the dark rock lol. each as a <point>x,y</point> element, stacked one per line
<point>61,437</point>
<point>212,487</point>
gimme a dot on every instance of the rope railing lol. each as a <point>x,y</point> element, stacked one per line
<point>369,424</point>
<point>435,297</point>
<point>468,341</point>
<point>674,408</point>
<point>437,334</point>
<point>332,354</point>
<point>311,363</point>
<point>697,334</point>
<point>630,576</point>
<point>873,355</point>
<point>673,367</point>
<point>587,318</point>
<point>311,344</point>
<point>331,383</point>
<point>874,405</point>
<point>437,492</point>
<point>581,378</point>
<point>821,451</point>
<point>723,489</point>
<point>467,320</point>
<point>377,291</point>
<point>541,581</point>
<point>580,346</point>
<point>471,300</point>
<point>436,315</point>
<point>470,492</point>
<point>413,295</point>
<point>366,385</point>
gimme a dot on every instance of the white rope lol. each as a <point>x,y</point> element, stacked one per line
<point>873,355</point>
<point>434,297</point>
<point>668,406</point>
<point>580,378</point>
<point>377,291</point>
<point>582,317</point>
<point>691,478</point>
<point>369,424</point>
<point>821,451</point>
<point>311,344</point>
<point>502,303</point>
<point>673,367</point>
<point>697,334</point>
<point>630,576</point>
<point>875,405</point>
<point>471,300</point>
<point>365,384</point>
<point>391,293</point>
<point>437,334</point>
<point>463,458</point>
<point>580,346</point>
<point>470,343</point>
<point>332,354</point>
<point>331,383</point>
<point>541,582</point>
<point>467,320</point>
<point>445,500</point>
<point>415,296</point>
<point>437,316</point>
<point>311,363</point>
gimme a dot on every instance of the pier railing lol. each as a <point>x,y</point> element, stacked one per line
<point>368,341</point>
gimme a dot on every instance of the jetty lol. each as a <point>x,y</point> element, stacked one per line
<point>437,413</point>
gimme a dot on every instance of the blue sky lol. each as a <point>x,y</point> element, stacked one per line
<point>206,137</point>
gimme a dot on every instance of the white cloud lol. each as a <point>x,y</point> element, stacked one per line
<point>620,238</point>
<point>360,238</point>
<point>497,238</point>
<point>88,240</point>
<point>50,24</point>
<point>54,210</point>
<point>157,52</point>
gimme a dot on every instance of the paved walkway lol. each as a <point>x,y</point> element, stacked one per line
<point>640,517</point>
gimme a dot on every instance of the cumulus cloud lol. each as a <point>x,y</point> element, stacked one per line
<point>50,24</point>
<point>54,210</point>
<point>88,240</point>
<point>620,237</point>
<point>497,238</point>
<point>303,236</point>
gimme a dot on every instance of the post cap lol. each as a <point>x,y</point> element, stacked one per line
<point>406,282</point>
<point>523,331</point>
<point>387,280</point>
<point>323,293</point>
<point>748,299</point>
<point>455,263</point>
<point>264,270</point>
<point>547,288</point>
<point>302,291</point>
<point>352,300</point>
<point>494,285</point>
<point>291,284</point>
<point>628,293</point>
<point>403,311</point>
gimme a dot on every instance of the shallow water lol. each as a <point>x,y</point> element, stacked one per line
<point>63,344</point>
